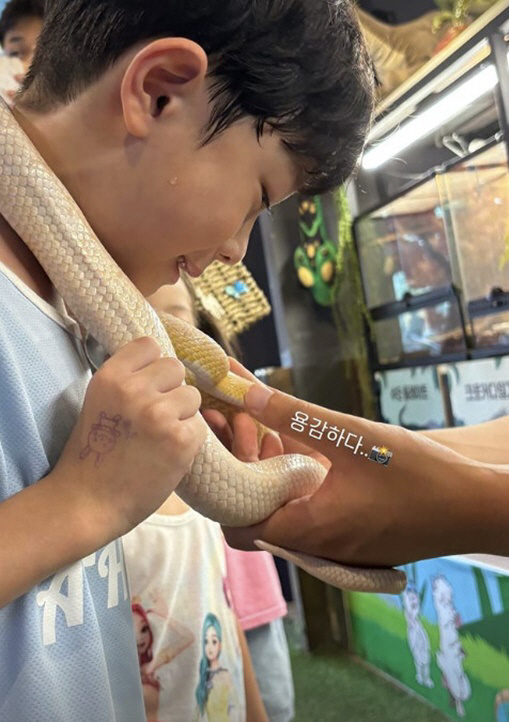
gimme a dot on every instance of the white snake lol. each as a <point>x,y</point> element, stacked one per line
<point>39,208</point>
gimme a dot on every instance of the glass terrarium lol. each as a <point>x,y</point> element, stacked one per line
<point>403,247</point>
<point>425,332</point>
<point>476,199</point>
<point>491,329</point>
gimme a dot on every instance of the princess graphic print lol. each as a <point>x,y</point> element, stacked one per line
<point>186,631</point>
<point>215,693</point>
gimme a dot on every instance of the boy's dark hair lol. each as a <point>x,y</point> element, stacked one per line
<point>16,10</point>
<point>298,66</point>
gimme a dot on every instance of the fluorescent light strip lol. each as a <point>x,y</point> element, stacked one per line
<point>439,113</point>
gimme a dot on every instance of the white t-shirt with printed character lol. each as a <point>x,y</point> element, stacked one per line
<point>188,646</point>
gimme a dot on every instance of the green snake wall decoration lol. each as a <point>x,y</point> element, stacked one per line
<point>315,258</point>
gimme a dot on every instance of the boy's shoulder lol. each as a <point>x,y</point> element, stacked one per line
<point>44,377</point>
<point>35,335</point>
<point>20,300</point>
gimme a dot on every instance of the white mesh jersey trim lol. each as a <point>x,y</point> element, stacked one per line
<point>59,315</point>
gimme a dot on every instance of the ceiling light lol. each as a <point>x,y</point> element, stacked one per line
<point>435,116</point>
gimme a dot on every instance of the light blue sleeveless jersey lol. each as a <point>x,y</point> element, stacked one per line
<point>67,648</point>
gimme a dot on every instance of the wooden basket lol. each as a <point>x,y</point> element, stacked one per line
<point>231,295</point>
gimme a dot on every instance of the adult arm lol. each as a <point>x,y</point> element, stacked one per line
<point>428,501</point>
<point>487,442</point>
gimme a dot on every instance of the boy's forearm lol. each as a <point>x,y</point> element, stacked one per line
<point>255,709</point>
<point>488,442</point>
<point>43,529</point>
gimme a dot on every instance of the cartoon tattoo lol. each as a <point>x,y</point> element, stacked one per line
<point>102,437</point>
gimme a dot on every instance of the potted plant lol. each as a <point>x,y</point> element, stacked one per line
<point>455,16</point>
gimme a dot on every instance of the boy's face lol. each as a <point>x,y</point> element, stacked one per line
<point>194,204</point>
<point>21,39</point>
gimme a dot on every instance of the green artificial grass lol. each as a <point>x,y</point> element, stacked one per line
<point>338,689</point>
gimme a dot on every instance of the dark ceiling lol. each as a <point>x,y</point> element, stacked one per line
<point>397,11</point>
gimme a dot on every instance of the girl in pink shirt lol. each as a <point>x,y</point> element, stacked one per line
<point>260,607</point>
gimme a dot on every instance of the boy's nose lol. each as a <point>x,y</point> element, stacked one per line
<point>233,250</point>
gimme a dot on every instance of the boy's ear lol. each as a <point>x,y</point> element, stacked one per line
<point>160,75</point>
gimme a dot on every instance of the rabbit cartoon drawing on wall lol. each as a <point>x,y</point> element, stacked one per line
<point>417,637</point>
<point>450,654</point>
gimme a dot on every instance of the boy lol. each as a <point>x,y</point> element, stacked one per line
<point>20,25</point>
<point>173,125</point>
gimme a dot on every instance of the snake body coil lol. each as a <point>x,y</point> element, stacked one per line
<point>39,208</point>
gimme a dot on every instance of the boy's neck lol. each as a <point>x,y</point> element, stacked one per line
<point>18,258</point>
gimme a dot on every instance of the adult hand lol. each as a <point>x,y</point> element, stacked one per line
<point>427,501</point>
<point>241,436</point>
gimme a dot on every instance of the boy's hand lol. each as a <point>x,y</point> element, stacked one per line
<point>136,437</point>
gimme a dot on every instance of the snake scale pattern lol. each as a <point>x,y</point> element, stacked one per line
<point>41,211</point>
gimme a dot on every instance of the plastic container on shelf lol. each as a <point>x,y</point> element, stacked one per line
<point>403,247</point>
<point>476,205</point>
<point>407,271</point>
<point>426,332</point>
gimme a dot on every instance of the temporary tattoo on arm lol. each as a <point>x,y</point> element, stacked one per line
<point>103,436</point>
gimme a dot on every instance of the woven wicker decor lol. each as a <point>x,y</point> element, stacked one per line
<point>231,295</point>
